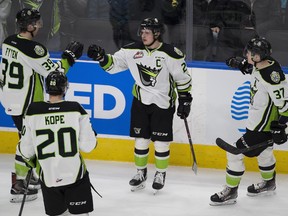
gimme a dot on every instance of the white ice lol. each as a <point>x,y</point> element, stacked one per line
<point>184,194</point>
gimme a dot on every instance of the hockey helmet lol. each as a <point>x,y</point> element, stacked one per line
<point>56,83</point>
<point>153,24</point>
<point>27,17</point>
<point>259,46</point>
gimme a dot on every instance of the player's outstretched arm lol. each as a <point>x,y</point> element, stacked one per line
<point>73,52</point>
<point>239,63</point>
<point>96,52</point>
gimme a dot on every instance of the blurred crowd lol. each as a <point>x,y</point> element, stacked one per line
<point>220,28</point>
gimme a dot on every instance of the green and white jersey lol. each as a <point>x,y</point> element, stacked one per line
<point>157,73</point>
<point>25,64</point>
<point>268,96</point>
<point>56,133</point>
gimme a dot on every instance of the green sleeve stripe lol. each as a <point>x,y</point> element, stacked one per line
<point>65,65</point>
<point>109,63</point>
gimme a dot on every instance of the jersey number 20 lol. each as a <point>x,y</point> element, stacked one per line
<point>61,134</point>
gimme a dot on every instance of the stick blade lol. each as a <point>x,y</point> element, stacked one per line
<point>227,147</point>
<point>195,168</point>
<point>233,150</point>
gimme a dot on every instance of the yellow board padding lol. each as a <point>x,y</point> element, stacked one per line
<point>113,149</point>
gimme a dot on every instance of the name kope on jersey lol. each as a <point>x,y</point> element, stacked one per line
<point>57,119</point>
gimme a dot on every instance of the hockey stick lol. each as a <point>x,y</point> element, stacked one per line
<point>233,150</point>
<point>194,165</point>
<point>26,191</point>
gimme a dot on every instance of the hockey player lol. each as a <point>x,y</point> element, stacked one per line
<point>24,65</point>
<point>55,132</point>
<point>159,70</point>
<point>268,115</point>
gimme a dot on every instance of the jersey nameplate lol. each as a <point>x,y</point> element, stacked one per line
<point>58,119</point>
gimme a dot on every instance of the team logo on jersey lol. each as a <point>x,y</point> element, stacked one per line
<point>58,180</point>
<point>148,75</point>
<point>275,76</point>
<point>179,52</point>
<point>139,54</point>
<point>137,130</point>
<point>39,50</point>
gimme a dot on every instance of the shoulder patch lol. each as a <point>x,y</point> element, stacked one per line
<point>273,74</point>
<point>172,51</point>
<point>178,51</point>
<point>39,50</point>
<point>275,77</point>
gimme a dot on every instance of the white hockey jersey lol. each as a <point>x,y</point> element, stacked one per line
<point>268,96</point>
<point>25,64</point>
<point>156,72</point>
<point>56,133</point>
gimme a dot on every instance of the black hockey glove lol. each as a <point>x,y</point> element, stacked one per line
<point>96,52</point>
<point>184,104</point>
<point>240,63</point>
<point>73,51</point>
<point>278,132</point>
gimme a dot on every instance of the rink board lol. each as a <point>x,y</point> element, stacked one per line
<point>219,109</point>
<point>113,149</point>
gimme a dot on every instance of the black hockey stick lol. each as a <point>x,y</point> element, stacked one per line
<point>26,191</point>
<point>194,165</point>
<point>233,150</point>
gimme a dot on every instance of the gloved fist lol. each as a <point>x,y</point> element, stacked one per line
<point>278,132</point>
<point>240,63</point>
<point>184,104</point>
<point>96,52</point>
<point>73,51</point>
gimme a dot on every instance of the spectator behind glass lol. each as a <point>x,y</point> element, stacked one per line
<point>173,11</point>
<point>70,11</point>
<point>233,25</point>
<point>204,11</point>
<point>50,15</point>
<point>268,14</point>
<point>119,15</point>
<point>98,9</point>
<point>140,9</point>
<point>5,7</point>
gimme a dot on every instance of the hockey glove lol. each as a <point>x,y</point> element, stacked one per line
<point>184,104</point>
<point>73,51</point>
<point>96,52</point>
<point>278,132</point>
<point>240,63</point>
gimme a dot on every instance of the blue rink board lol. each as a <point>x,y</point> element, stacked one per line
<point>89,73</point>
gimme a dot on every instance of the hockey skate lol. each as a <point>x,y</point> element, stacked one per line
<point>159,181</point>
<point>225,197</point>
<point>262,188</point>
<point>138,182</point>
<point>19,188</point>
